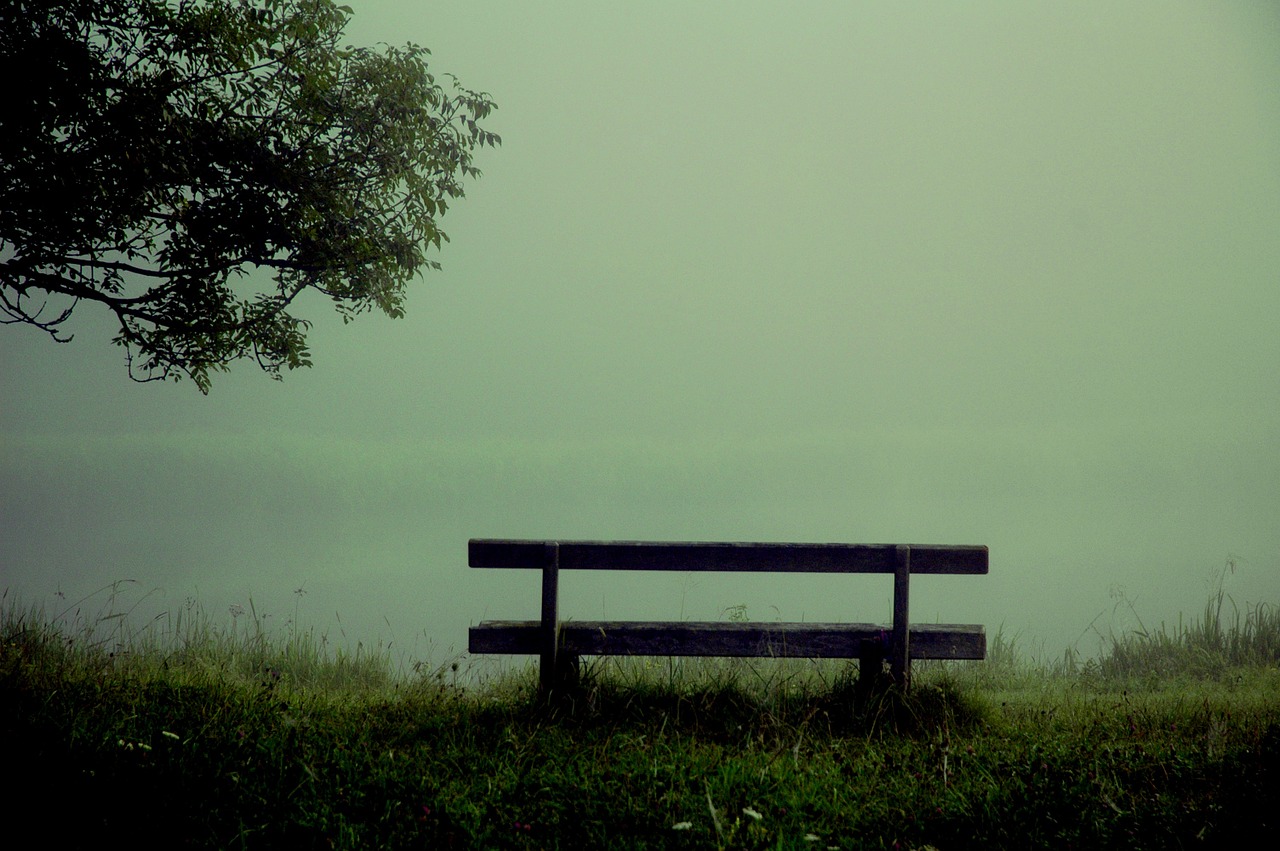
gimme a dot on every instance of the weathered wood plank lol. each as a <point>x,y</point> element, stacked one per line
<point>747,557</point>
<point>681,638</point>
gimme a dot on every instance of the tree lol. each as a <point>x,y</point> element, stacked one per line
<point>195,166</point>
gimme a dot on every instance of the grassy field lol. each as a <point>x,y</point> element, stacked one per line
<point>187,733</point>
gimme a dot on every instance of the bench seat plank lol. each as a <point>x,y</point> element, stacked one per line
<point>684,638</point>
<point>746,557</point>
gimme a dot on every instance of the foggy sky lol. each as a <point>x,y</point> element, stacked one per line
<point>985,273</point>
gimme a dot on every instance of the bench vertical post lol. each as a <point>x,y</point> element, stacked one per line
<point>549,628</point>
<point>900,657</point>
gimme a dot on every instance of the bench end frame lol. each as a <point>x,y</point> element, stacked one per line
<point>900,655</point>
<point>550,624</point>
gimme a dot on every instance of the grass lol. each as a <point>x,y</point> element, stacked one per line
<point>187,733</point>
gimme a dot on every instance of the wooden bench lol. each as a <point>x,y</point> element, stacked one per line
<point>559,644</point>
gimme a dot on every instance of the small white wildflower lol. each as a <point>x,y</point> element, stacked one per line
<point>811,837</point>
<point>173,736</point>
<point>682,825</point>
<point>747,811</point>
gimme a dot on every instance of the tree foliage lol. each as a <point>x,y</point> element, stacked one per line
<point>197,165</point>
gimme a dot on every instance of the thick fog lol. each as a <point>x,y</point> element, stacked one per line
<point>985,273</point>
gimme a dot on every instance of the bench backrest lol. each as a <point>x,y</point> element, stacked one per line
<point>749,557</point>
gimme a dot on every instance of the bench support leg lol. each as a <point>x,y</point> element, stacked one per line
<point>549,632</point>
<point>870,668</point>
<point>900,655</point>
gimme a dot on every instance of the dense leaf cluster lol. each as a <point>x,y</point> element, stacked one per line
<point>195,166</point>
